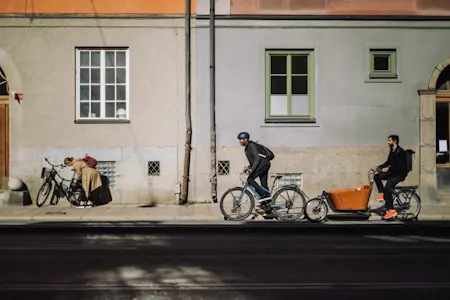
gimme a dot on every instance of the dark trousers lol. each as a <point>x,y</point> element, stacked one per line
<point>263,173</point>
<point>391,182</point>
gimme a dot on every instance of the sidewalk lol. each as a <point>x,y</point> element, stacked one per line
<point>115,212</point>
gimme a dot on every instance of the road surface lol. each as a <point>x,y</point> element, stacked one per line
<point>212,265</point>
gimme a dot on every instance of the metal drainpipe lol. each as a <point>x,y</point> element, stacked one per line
<point>187,152</point>
<point>212,90</point>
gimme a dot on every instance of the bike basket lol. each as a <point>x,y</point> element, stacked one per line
<point>351,199</point>
<point>45,173</point>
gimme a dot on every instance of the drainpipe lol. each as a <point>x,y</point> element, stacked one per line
<point>187,152</point>
<point>212,90</point>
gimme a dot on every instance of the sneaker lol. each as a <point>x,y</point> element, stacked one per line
<point>380,198</point>
<point>390,214</point>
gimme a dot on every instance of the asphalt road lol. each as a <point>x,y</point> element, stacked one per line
<point>188,264</point>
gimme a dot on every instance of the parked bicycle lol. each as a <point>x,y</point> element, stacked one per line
<point>282,204</point>
<point>407,202</point>
<point>62,188</point>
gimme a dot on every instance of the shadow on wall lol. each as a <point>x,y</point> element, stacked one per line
<point>105,192</point>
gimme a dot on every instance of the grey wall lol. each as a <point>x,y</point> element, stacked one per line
<point>350,109</point>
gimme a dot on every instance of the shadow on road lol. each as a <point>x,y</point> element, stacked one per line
<point>245,262</point>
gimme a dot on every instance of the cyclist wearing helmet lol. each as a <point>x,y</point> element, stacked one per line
<point>259,167</point>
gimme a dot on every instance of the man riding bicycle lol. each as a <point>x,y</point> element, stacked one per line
<point>259,167</point>
<point>397,172</point>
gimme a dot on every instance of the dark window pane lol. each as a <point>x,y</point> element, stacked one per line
<point>95,75</point>
<point>299,64</point>
<point>110,75</point>
<point>381,62</point>
<point>95,110</point>
<point>121,92</point>
<point>84,109</point>
<point>278,64</point>
<point>84,92</point>
<point>95,59</point>
<point>95,92</point>
<point>120,58</point>
<point>278,85</point>
<point>110,58</point>
<point>84,75</point>
<point>84,59</point>
<point>120,75</point>
<point>111,110</point>
<point>110,92</point>
<point>299,85</point>
<point>442,122</point>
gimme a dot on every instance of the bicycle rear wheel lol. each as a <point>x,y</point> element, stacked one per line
<point>43,193</point>
<point>409,205</point>
<point>239,203</point>
<point>288,203</point>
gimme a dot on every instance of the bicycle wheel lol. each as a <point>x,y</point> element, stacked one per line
<point>410,205</point>
<point>43,193</point>
<point>288,203</point>
<point>238,200</point>
<point>316,210</point>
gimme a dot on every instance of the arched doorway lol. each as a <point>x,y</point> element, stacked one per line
<point>4,128</point>
<point>443,133</point>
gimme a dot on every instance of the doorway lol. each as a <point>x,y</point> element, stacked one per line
<point>443,132</point>
<point>4,129</point>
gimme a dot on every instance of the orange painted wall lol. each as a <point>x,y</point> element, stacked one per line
<point>341,7</point>
<point>94,6</point>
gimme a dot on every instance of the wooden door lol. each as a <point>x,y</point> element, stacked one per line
<point>4,138</point>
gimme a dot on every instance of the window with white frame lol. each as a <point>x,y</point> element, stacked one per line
<point>102,84</point>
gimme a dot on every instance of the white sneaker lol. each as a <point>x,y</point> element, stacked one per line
<point>265,199</point>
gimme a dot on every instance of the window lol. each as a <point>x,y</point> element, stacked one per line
<point>4,88</point>
<point>289,86</point>
<point>290,178</point>
<point>224,167</point>
<point>108,169</point>
<point>383,63</point>
<point>102,84</point>
<point>154,168</point>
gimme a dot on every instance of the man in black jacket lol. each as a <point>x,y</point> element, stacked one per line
<point>259,167</point>
<point>397,172</point>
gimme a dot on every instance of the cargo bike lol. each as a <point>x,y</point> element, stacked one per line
<point>407,202</point>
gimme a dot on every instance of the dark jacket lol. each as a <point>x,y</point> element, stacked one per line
<point>252,152</point>
<point>396,162</point>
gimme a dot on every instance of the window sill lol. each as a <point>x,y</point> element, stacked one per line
<point>102,121</point>
<point>383,80</point>
<point>289,122</point>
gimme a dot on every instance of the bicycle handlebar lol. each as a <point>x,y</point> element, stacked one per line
<point>55,166</point>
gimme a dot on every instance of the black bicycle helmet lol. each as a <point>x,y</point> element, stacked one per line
<point>243,135</point>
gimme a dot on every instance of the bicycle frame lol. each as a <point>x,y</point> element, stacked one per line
<point>52,174</point>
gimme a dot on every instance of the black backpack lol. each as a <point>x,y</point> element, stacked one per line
<point>263,150</point>
<point>409,159</point>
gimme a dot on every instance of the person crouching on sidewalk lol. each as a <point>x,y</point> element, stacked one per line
<point>90,180</point>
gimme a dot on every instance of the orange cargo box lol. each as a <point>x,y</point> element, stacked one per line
<point>351,199</point>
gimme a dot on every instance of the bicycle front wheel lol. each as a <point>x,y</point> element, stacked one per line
<point>237,204</point>
<point>43,193</point>
<point>288,203</point>
<point>316,210</point>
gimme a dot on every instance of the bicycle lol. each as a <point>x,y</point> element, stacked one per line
<point>267,208</point>
<point>356,202</point>
<point>72,192</point>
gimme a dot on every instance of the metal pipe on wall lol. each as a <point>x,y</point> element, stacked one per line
<point>212,98</point>
<point>187,152</point>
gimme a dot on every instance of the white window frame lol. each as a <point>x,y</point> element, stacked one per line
<point>102,83</point>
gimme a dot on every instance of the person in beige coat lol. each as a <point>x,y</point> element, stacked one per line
<point>90,179</point>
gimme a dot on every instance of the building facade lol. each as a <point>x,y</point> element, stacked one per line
<point>97,77</point>
<point>323,84</point>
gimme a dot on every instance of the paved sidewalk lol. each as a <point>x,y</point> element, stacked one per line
<point>115,212</point>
